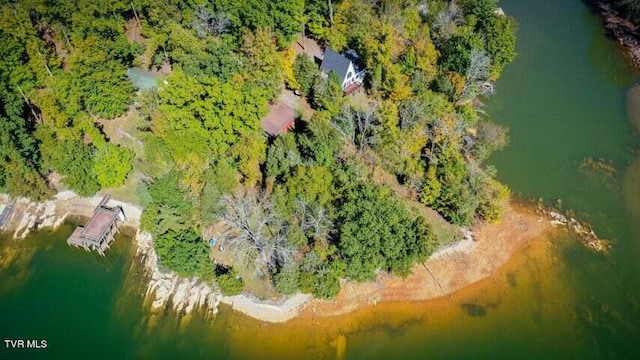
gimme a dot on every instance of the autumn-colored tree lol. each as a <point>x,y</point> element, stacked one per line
<point>112,165</point>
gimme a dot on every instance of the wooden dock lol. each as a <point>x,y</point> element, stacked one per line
<point>100,230</point>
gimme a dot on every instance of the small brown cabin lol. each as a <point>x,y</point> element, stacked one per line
<point>280,119</point>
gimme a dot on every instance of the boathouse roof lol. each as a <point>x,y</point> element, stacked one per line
<point>99,223</point>
<point>100,230</point>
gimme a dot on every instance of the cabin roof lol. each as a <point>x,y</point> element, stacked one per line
<point>340,62</point>
<point>335,62</point>
<point>279,119</point>
<point>355,59</point>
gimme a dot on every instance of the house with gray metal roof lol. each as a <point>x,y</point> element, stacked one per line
<point>347,65</point>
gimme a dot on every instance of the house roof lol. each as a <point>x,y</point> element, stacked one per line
<point>335,62</point>
<point>279,119</point>
<point>355,59</point>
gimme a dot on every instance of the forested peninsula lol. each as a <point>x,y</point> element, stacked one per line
<point>362,183</point>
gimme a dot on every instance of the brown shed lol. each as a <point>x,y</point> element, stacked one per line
<point>280,119</point>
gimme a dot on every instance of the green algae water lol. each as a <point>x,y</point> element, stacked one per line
<point>564,100</point>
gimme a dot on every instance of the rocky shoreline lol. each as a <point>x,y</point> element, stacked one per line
<point>483,250</point>
<point>164,290</point>
<point>167,290</point>
<point>626,33</point>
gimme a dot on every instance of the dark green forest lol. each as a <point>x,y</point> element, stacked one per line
<point>339,196</point>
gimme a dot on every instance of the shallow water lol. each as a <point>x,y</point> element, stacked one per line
<point>563,99</point>
<point>84,304</point>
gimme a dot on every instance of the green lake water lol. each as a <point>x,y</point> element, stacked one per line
<point>564,100</point>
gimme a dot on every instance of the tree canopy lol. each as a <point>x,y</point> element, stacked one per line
<point>298,212</point>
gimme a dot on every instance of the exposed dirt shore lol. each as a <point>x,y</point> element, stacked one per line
<point>447,271</point>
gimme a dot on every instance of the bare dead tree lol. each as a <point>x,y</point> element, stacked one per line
<point>447,20</point>
<point>313,219</point>
<point>410,113</point>
<point>37,117</point>
<point>45,62</point>
<point>255,232</point>
<point>430,151</point>
<point>391,13</point>
<point>293,158</point>
<point>220,23</point>
<point>490,137</point>
<point>33,23</point>
<point>476,77</point>
<point>344,124</point>
<point>207,23</point>
<point>367,126</point>
<point>66,37</point>
<point>330,12</point>
<point>442,133</point>
<point>202,21</point>
<point>135,14</point>
<point>416,183</point>
<point>423,7</point>
<point>358,127</point>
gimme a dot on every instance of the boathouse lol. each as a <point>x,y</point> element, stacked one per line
<point>100,230</point>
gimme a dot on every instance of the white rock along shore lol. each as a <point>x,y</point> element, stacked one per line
<point>164,289</point>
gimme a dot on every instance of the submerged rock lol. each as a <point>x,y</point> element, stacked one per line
<point>474,310</point>
<point>28,216</point>
<point>584,231</point>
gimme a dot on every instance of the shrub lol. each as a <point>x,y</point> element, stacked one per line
<point>286,281</point>
<point>229,282</point>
